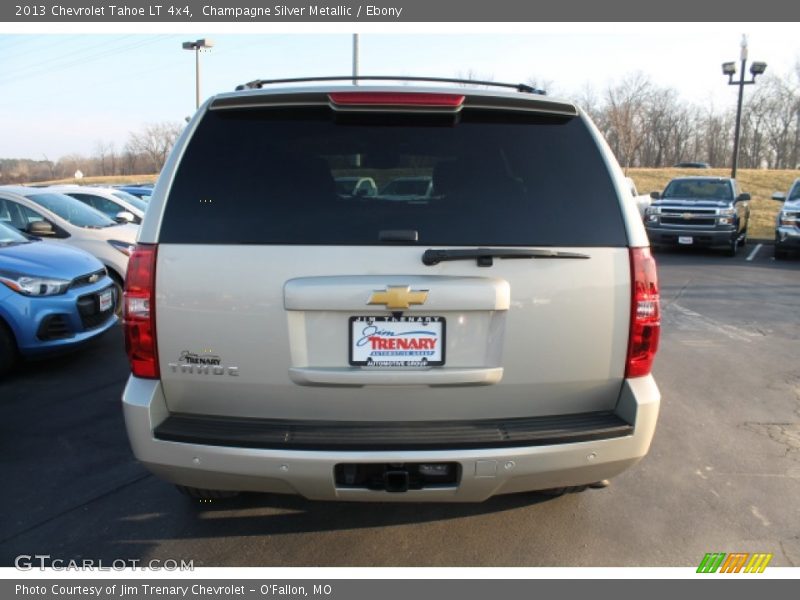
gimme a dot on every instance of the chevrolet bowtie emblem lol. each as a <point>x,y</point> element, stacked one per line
<point>398,296</point>
<point>687,216</point>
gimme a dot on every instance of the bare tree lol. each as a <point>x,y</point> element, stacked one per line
<point>473,75</point>
<point>589,101</point>
<point>105,157</point>
<point>626,116</point>
<point>154,142</point>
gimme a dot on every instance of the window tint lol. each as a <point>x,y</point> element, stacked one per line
<point>264,176</point>
<point>72,210</point>
<point>131,199</point>
<point>104,205</point>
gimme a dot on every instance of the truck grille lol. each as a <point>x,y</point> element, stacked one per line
<point>694,221</point>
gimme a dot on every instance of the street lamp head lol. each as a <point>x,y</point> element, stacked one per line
<point>728,68</point>
<point>758,68</point>
<point>198,45</point>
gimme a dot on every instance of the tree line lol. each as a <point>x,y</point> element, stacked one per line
<point>144,152</point>
<point>650,126</point>
<point>646,126</point>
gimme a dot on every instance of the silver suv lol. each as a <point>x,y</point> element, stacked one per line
<point>493,336</point>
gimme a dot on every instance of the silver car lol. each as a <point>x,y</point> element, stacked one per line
<point>496,338</point>
<point>115,204</point>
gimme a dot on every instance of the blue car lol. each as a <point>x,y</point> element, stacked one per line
<point>52,297</point>
<point>143,191</point>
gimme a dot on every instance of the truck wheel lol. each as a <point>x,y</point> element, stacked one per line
<point>733,247</point>
<point>8,349</point>
<point>743,238</point>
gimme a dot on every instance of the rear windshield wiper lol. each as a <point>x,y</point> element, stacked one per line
<point>485,256</point>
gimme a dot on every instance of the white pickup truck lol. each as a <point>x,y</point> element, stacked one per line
<point>642,200</point>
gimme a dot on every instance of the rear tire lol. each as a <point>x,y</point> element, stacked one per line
<point>201,494</point>
<point>8,349</point>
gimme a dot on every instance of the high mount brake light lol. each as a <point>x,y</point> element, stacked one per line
<point>419,99</point>
<point>139,317</point>
<point>645,326</point>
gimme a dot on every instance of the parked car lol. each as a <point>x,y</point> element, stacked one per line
<point>642,200</point>
<point>60,219</point>
<point>355,187</point>
<point>108,201</point>
<point>699,211</point>
<point>52,298</point>
<point>485,342</point>
<point>692,165</point>
<point>140,191</point>
<point>408,188</point>
<point>787,223</point>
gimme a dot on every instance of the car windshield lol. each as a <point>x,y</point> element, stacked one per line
<point>72,210</point>
<point>794,194</point>
<point>9,235</point>
<point>131,199</point>
<point>699,189</point>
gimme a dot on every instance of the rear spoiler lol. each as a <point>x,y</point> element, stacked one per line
<point>526,103</point>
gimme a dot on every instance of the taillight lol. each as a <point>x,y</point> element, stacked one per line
<point>423,99</point>
<point>139,318</point>
<point>645,314</point>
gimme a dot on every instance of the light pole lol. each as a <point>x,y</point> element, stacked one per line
<point>355,59</point>
<point>197,45</point>
<point>729,69</point>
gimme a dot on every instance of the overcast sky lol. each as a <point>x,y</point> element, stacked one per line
<point>62,93</point>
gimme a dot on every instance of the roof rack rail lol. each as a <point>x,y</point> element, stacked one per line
<point>520,87</point>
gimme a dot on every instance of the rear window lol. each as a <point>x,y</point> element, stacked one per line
<point>277,176</point>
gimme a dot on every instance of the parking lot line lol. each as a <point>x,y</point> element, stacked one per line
<point>754,252</point>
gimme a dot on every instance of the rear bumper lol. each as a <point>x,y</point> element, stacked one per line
<point>484,471</point>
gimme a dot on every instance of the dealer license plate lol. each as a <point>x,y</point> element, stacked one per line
<point>408,341</point>
<point>685,239</point>
<point>106,300</point>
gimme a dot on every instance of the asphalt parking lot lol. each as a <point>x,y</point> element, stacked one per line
<point>723,474</point>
